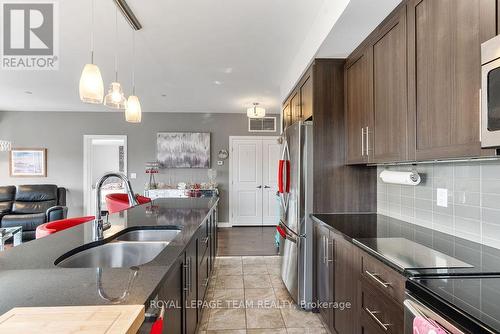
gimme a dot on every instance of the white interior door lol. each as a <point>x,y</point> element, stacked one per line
<point>271,153</point>
<point>102,153</point>
<point>253,172</point>
<point>246,182</point>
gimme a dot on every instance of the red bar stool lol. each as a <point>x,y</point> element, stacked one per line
<point>119,202</point>
<point>59,225</point>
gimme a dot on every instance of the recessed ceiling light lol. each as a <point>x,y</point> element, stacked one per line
<point>217,82</point>
<point>228,70</point>
<point>28,92</point>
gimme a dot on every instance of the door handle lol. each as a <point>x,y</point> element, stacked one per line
<point>266,187</point>
<point>259,187</point>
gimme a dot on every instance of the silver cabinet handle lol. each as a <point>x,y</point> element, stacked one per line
<point>376,278</point>
<point>266,187</point>
<point>186,274</point>
<point>332,252</point>
<point>373,315</point>
<point>362,142</point>
<point>259,187</point>
<point>367,142</point>
<point>324,248</point>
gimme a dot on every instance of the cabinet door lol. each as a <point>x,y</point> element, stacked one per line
<point>171,292</point>
<point>190,287</point>
<point>306,98</point>
<point>390,92</point>
<point>358,99</point>
<point>444,61</point>
<point>346,262</point>
<point>287,115</point>
<point>324,277</point>
<point>295,107</point>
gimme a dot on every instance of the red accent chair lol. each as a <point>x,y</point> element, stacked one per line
<point>119,202</point>
<point>59,225</point>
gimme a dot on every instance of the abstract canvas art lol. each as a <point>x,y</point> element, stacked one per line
<point>183,149</point>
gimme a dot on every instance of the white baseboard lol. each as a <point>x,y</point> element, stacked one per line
<point>224,224</point>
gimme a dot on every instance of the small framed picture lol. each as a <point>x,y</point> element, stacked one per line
<point>28,162</point>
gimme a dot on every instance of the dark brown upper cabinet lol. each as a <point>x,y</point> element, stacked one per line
<point>389,133</point>
<point>358,107</point>
<point>295,106</point>
<point>287,115</point>
<point>306,98</point>
<point>444,66</point>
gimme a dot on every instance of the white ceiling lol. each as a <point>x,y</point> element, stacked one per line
<point>193,55</point>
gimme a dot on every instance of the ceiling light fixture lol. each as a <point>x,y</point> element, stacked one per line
<point>91,85</point>
<point>115,98</point>
<point>128,14</point>
<point>256,111</point>
<point>133,113</point>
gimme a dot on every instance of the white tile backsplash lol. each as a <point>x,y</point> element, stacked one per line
<point>473,211</point>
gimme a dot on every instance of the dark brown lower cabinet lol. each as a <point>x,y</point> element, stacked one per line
<point>324,274</point>
<point>379,314</point>
<point>346,273</point>
<point>190,287</point>
<point>356,293</point>
<point>184,290</point>
<point>171,294</point>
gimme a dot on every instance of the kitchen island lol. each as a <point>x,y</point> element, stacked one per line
<point>30,277</point>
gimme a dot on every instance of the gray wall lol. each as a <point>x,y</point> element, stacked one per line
<point>473,210</point>
<point>62,134</point>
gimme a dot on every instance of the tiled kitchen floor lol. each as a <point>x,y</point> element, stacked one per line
<point>247,296</point>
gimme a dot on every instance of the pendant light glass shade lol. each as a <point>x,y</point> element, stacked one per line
<point>256,111</point>
<point>5,146</point>
<point>115,98</point>
<point>91,85</point>
<point>133,113</point>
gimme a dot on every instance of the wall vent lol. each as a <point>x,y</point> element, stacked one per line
<point>265,124</point>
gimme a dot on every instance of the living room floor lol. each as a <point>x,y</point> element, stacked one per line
<point>247,295</point>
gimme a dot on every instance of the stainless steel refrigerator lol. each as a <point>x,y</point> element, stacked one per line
<point>296,247</point>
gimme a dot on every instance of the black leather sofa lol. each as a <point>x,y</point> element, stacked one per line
<point>31,205</point>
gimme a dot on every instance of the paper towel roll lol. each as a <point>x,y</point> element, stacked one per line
<point>406,178</point>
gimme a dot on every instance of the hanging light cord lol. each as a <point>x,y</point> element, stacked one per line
<point>133,62</point>
<point>92,32</point>
<point>116,45</point>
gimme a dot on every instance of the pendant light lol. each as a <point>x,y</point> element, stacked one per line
<point>256,111</point>
<point>91,85</point>
<point>133,113</point>
<point>115,98</point>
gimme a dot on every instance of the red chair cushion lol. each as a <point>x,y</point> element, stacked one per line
<point>59,225</point>
<point>119,202</point>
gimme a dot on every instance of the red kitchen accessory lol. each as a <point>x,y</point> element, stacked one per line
<point>281,231</point>
<point>284,177</point>
<point>157,327</point>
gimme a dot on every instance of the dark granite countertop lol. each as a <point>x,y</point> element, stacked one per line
<point>29,277</point>
<point>470,301</point>
<point>364,229</point>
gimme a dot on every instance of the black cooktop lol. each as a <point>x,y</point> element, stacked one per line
<point>369,230</point>
<point>473,301</point>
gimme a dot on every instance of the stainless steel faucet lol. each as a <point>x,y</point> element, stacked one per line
<point>98,225</point>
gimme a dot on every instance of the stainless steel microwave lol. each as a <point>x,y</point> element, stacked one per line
<point>490,93</point>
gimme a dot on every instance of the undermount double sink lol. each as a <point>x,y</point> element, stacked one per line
<point>129,249</point>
